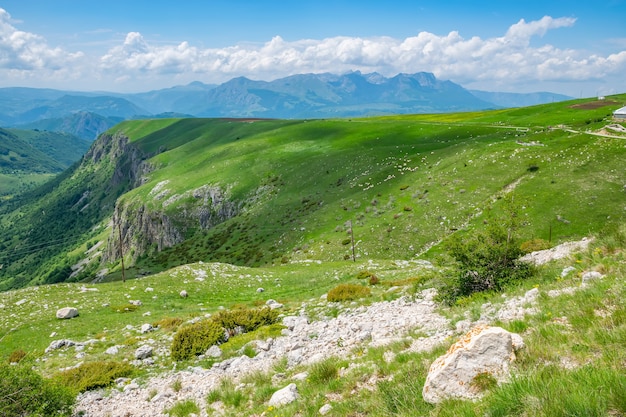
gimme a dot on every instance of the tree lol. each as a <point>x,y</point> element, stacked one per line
<point>488,259</point>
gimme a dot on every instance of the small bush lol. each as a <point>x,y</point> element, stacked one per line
<point>534,245</point>
<point>91,375</point>
<point>347,292</point>
<point>246,318</point>
<point>195,339</point>
<point>364,274</point>
<point>346,241</point>
<point>374,280</point>
<point>168,323</point>
<point>23,392</point>
<point>16,356</point>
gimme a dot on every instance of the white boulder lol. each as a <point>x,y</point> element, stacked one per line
<point>284,396</point>
<point>143,352</point>
<point>67,313</point>
<point>483,350</point>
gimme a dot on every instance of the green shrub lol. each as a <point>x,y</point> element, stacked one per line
<point>16,356</point>
<point>91,375</point>
<point>534,245</point>
<point>364,274</point>
<point>487,259</point>
<point>246,318</point>
<point>347,292</point>
<point>195,339</point>
<point>23,392</point>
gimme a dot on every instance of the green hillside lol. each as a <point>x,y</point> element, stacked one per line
<point>31,157</point>
<point>215,218</point>
<point>268,192</point>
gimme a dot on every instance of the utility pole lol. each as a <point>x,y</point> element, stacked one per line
<point>119,230</point>
<point>352,239</point>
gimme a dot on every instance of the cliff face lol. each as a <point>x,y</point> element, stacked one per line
<point>166,219</point>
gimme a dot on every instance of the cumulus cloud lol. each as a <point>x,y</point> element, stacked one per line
<point>23,53</point>
<point>507,58</point>
<point>516,57</point>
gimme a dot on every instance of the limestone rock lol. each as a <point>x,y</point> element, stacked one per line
<point>143,352</point>
<point>273,304</point>
<point>591,276</point>
<point>184,294</point>
<point>67,313</point>
<point>214,352</point>
<point>147,327</point>
<point>482,350</point>
<point>284,396</point>
<point>325,409</point>
<point>58,344</point>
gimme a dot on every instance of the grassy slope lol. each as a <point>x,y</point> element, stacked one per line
<point>29,158</point>
<point>405,182</point>
<point>579,179</point>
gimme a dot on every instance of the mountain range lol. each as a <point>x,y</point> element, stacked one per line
<point>87,114</point>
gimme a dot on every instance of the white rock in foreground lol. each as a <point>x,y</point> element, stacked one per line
<point>484,349</point>
<point>284,396</point>
<point>67,313</point>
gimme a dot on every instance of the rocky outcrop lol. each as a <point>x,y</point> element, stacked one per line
<point>166,219</point>
<point>483,352</point>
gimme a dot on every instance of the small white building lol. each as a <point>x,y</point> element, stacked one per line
<point>620,114</point>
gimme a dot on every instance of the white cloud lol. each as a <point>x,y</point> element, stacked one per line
<point>509,58</point>
<point>24,54</point>
<point>137,63</point>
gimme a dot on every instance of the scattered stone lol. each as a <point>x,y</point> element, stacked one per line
<point>184,294</point>
<point>22,301</point>
<point>566,271</point>
<point>284,396</point>
<point>113,350</point>
<point>273,304</point>
<point>591,276</point>
<point>214,352</point>
<point>53,334</point>
<point>483,350</point>
<point>143,352</point>
<point>58,344</point>
<point>67,313</point>
<point>300,376</point>
<point>135,302</point>
<point>259,290</point>
<point>325,409</point>
<point>147,327</point>
<point>149,289</point>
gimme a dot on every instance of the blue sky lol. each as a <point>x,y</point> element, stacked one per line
<point>570,47</point>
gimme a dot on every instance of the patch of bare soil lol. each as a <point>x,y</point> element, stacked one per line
<point>594,104</point>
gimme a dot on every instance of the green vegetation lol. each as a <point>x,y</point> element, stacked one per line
<point>488,259</point>
<point>289,191</point>
<point>196,338</point>
<point>348,292</point>
<point>23,392</point>
<point>469,192</point>
<point>183,409</point>
<point>97,374</point>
